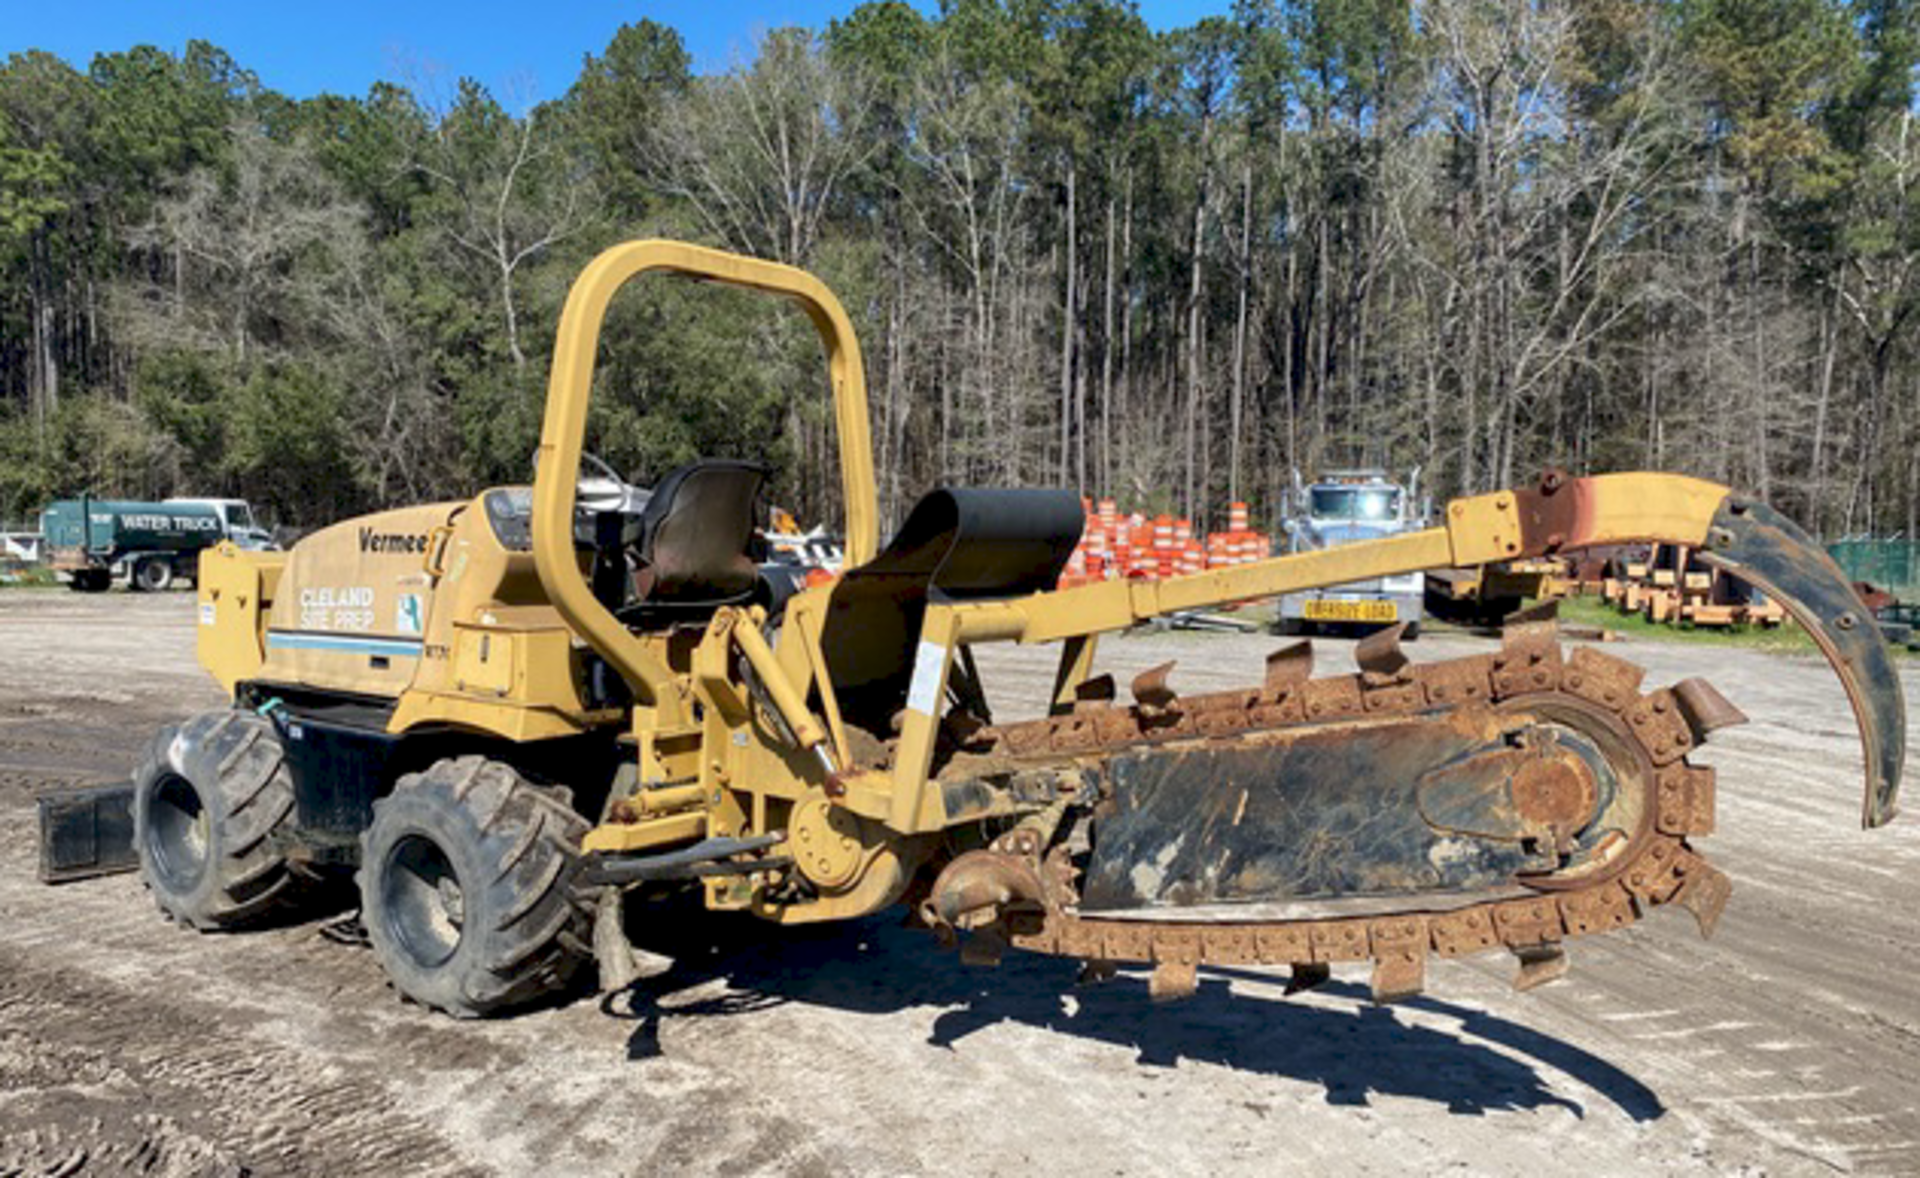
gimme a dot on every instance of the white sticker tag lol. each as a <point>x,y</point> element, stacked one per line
<point>409,616</point>
<point>206,613</point>
<point>929,668</point>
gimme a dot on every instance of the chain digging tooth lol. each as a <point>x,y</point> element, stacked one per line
<point>1705,708</point>
<point>1542,619</point>
<point>1172,981</point>
<point>1539,964</point>
<point>1308,975</point>
<point>1399,958</point>
<point>1097,690</point>
<point>1386,674</point>
<point>1398,978</point>
<point>1379,653</point>
<point>1290,666</point>
<point>1705,893</point>
<point>1150,688</point>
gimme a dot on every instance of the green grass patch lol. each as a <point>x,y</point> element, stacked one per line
<point>1787,638</point>
<point>28,577</point>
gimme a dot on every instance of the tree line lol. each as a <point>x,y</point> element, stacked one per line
<point>1476,236</point>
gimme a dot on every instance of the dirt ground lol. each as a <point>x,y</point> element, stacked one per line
<point>1789,1044</point>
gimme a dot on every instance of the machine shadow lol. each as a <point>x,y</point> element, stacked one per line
<point>1354,1051</point>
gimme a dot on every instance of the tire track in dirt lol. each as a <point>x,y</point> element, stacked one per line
<point>86,1062</point>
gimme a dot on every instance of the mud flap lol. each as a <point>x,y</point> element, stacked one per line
<point>86,832</point>
<point>1758,544</point>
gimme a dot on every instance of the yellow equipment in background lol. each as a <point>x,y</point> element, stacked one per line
<point>507,713</point>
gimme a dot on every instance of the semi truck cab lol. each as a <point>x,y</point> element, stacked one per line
<point>1343,507</point>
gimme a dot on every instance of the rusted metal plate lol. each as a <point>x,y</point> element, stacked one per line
<point>1457,681</point>
<point>1332,698</point>
<point>1685,800</point>
<point>1610,682</point>
<point>1322,813</point>
<point>1332,809</point>
<point>1456,934</point>
<point>1529,661</point>
<point>1661,727</point>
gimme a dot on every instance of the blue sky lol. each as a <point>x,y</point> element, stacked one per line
<point>527,51</point>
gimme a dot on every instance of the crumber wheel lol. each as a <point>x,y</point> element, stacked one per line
<point>205,800</point>
<point>466,888</point>
<point>153,575</point>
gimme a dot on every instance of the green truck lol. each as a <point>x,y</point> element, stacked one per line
<point>151,544</point>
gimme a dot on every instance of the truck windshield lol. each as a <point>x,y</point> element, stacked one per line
<point>239,515</point>
<point>1369,503</point>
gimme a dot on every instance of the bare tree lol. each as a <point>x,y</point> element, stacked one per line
<point>759,152</point>
<point>231,244</point>
<point>504,192</point>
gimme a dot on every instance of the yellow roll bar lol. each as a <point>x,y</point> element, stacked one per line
<point>563,433</point>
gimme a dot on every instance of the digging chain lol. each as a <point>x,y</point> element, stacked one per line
<point>1657,866</point>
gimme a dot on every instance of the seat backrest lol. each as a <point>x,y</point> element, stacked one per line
<point>695,533</point>
<point>958,543</point>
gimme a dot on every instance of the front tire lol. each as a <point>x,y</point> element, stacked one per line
<point>207,800</point>
<point>466,888</point>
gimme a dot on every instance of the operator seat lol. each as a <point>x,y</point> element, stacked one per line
<point>693,553</point>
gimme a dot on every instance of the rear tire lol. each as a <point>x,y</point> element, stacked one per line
<point>153,575</point>
<point>206,801</point>
<point>466,888</point>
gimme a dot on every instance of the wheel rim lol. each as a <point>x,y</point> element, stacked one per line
<point>178,833</point>
<point>423,901</point>
<point>153,575</point>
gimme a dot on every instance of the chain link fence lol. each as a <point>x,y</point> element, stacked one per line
<point>1889,565</point>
